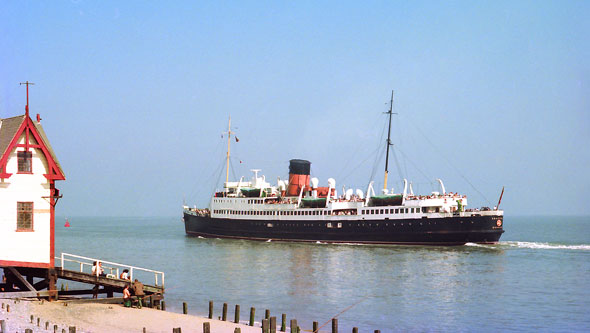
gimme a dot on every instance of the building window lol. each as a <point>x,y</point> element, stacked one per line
<point>25,159</point>
<point>24,216</point>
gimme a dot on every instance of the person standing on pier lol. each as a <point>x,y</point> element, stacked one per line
<point>138,292</point>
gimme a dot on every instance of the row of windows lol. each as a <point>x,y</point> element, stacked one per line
<point>340,225</point>
<point>257,212</point>
<point>394,211</point>
<point>249,201</point>
<point>318,212</point>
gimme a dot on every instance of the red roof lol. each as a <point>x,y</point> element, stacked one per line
<point>11,130</point>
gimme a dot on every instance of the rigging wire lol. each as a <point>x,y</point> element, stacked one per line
<point>401,136</point>
<point>451,164</point>
<point>352,157</point>
<point>414,165</point>
<point>399,170</point>
<point>199,181</point>
<point>379,155</point>
<point>232,167</point>
<point>378,158</point>
<point>219,175</point>
<point>374,153</point>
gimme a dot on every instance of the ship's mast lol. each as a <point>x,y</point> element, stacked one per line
<point>227,156</point>
<point>388,143</point>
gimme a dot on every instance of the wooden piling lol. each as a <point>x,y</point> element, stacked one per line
<point>273,324</point>
<point>267,314</point>
<point>283,322</point>
<point>28,330</point>
<point>72,329</point>
<point>265,326</point>
<point>315,327</point>
<point>293,325</point>
<point>163,306</point>
<point>210,309</point>
<point>184,308</point>
<point>237,314</point>
<point>334,325</point>
<point>54,328</point>
<point>207,327</point>
<point>7,307</point>
<point>237,330</point>
<point>38,321</point>
<point>224,312</point>
<point>176,330</point>
<point>355,330</point>
<point>31,319</point>
<point>2,326</point>
<point>46,325</point>
<point>252,312</point>
<point>377,331</point>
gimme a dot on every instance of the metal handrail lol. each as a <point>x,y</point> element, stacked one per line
<point>131,268</point>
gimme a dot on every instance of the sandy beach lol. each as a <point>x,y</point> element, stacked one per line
<point>105,318</point>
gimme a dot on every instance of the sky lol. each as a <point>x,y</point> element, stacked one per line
<point>135,97</point>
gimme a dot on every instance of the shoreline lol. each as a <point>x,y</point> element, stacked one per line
<point>103,318</point>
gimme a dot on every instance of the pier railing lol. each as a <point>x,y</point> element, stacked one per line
<point>112,269</point>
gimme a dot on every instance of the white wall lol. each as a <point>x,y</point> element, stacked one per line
<point>24,246</point>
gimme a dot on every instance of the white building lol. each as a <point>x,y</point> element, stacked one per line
<point>28,171</point>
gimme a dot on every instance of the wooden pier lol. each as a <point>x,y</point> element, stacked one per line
<point>20,281</point>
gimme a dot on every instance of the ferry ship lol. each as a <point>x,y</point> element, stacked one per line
<point>300,210</point>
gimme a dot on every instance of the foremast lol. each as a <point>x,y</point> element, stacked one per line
<point>229,133</point>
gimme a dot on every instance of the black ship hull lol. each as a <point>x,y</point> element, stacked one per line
<point>456,230</point>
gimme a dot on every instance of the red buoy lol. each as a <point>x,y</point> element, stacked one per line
<point>67,223</point>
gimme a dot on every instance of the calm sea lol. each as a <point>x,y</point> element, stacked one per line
<point>536,279</point>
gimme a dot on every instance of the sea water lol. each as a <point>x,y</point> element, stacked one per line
<point>536,278</point>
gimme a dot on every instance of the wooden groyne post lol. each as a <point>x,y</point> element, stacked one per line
<point>224,312</point>
<point>252,312</point>
<point>237,314</point>
<point>273,324</point>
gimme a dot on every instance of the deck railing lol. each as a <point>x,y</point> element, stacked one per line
<point>110,266</point>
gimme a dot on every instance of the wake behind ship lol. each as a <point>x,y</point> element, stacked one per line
<point>298,209</point>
